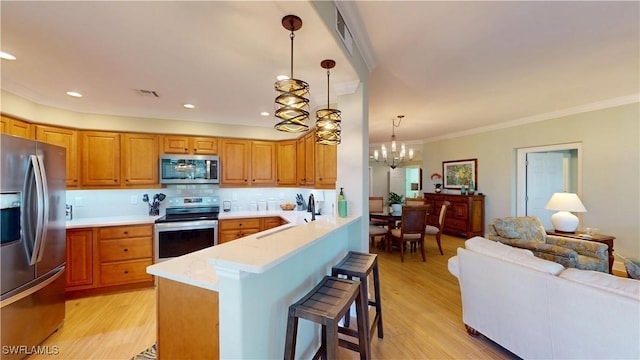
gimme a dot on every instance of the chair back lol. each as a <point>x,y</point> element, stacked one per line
<point>414,219</point>
<point>376,204</point>
<point>414,202</point>
<point>443,213</point>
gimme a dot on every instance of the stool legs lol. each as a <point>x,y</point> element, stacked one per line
<point>326,304</point>
<point>292,334</point>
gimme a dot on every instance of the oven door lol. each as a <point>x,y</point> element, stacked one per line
<point>174,239</point>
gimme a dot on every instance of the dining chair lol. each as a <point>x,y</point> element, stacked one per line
<point>412,228</point>
<point>436,229</point>
<point>376,205</point>
<point>414,202</point>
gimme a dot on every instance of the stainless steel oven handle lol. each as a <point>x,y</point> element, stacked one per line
<point>186,225</point>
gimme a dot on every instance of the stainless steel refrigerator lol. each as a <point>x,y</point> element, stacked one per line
<point>32,248</point>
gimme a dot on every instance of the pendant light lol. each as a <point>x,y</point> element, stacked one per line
<point>291,104</point>
<point>395,158</point>
<point>328,120</point>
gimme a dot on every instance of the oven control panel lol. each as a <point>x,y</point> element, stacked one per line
<point>193,201</point>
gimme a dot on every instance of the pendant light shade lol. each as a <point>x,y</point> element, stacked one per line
<point>328,120</point>
<point>291,102</point>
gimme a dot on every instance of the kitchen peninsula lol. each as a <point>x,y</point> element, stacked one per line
<point>247,285</point>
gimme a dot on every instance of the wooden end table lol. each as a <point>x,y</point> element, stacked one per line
<point>601,238</point>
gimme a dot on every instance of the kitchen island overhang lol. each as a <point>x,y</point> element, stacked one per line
<point>257,277</point>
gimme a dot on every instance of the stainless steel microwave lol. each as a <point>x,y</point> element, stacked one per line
<point>189,169</point>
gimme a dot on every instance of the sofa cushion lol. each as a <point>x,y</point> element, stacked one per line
<point>527,228</point>
<point>511,254</point>
<point>623,286</point>
<point>453,267</point>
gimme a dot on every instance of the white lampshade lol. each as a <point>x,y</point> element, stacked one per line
<point>565,203</point>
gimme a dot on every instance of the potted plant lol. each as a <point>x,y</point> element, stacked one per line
<point>396,201</point>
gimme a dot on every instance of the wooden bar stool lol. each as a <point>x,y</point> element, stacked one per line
<point>326,304</point>
<point>356,264</point>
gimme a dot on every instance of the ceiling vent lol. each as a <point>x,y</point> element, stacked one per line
<point>343,31</point>
<point>144,92</point>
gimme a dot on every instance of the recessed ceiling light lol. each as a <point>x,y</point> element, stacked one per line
<point>6,56</point>
<point>74,94</point>
<point>189,106</point>
<point>281,77</point>
<point>264,113</point>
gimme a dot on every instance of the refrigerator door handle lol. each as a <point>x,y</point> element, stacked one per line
<point>44,210</point>
<point>34,165</point>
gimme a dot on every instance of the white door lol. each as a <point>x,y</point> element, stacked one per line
<point>546,173</point>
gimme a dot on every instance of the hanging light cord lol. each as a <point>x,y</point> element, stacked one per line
<point>328,88</point>
<point>292,36</point>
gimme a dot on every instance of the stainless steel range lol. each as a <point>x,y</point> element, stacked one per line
<point>190,224</point>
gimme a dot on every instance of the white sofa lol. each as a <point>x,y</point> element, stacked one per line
<point>537,309</point>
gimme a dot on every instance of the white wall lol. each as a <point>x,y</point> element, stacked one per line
<point>611,158</point>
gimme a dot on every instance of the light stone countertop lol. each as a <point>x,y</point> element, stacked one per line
<point>254,253</point>
<point>111,221</point>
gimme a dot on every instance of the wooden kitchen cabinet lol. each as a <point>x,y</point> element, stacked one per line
<point>79,258</point>
<point>271,222</point>
<point>305,162</point>
<point>316,164</point>
<point>287,163</point>
<point>326,166</point>
<point>465,215</point>
<point>140,159</point>
<point>263,163</point>
<point>196,145</point>
<point>248,163</point>
<point>232,229</point>
<point>124,253</point>
<point>17,127</point>
<point>100,158</point>
<point>68,139</point>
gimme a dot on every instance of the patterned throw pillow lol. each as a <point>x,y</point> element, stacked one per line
<point>506,228</point>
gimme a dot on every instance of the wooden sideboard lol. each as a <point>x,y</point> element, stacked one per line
<point>465,215</point>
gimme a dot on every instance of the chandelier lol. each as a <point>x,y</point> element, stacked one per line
<point>395,158</point>
<point>291,104</point>
<point>328,120</point>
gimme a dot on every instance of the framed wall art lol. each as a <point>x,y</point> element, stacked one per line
<point>460,172</point>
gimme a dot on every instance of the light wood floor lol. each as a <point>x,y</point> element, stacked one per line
<point>421,306</point>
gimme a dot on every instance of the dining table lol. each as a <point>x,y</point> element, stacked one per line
<point>392,218</point>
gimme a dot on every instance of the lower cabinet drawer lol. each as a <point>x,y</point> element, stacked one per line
<point>125,249</point>
<point>455,225</point>
<point>122,272</point>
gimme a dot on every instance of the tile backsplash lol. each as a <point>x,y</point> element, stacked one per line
<point>117,202</point>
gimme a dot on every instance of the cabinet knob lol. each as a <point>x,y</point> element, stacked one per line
<point>115,180</point>
<point>126,232</point>
<point>254,180</point>
<point>126,271</point>
<point>186,150</point>
<point>127,180</point>
<point>245,180</point>
<point>195,150</point>
<point>126,250</point>
<point>75,180</point>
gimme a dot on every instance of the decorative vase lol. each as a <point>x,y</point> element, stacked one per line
<point>396,208</point>
<point>438,190</point>
<point>463,190</point>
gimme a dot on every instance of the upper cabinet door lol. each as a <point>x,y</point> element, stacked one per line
<point>17,127</point>
<point>326,166</point>
<point>68,139</point>
<point>263,163</point>
<point>140,159</point>
<point>175,144</point>
<point>204,145</point>
<point>235,159</point>
<point>287,163</point>
<point>100,158</point>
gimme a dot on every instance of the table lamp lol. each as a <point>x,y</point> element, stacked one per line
<point>565,203</point>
